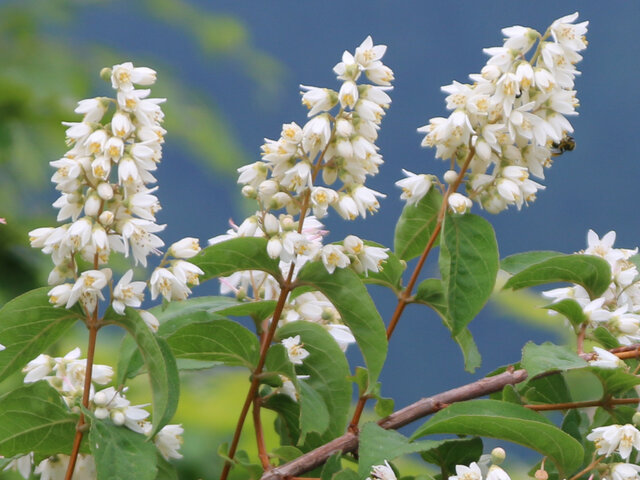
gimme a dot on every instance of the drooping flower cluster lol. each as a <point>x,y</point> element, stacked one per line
<point>618,308</point>
<point>105,197</point>
<point>67,375</point>
<point>339,150</point>
<point>509,118</point>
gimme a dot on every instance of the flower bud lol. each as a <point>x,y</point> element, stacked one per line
<point>287,222</point>
<point>268,188</point>
<point>270,224</point>
<point>249,192</point>
<point>105,74</point>
<point>274,247</point>
<point>459,203</point>
<point>92,205</point>
<point>636,419</point>
<point>185,248</point>
<point>279,200</point>
<point>498,455</point>
<point>118,417</point>
<point>105,191</point>
<point>106,218</point>
<point>541,475</point>
<point>450,176</point>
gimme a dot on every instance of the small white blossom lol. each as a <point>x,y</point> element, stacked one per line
<point>169,440</point>
<point>382,472</point>
<point>128,293</point>
<point>295,350</point>
<point>414,187</point>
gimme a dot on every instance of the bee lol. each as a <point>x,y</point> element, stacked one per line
<point>567,144</point>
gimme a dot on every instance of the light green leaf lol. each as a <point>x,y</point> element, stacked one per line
<point>549,357</point>
<point>329,372</point>
<point>605,337</point>
<point>547,389</point>
<point>314,416</point>
<point>219,341</point>
<point>508,421</point>
<point>416,225</point>
<point>121,453</point>
<point>237,254</point>
<point>431,292</point>
<point>593,273</point>
<point>571,310</point>
<point>468,265</point>
<point>286,453</point>
<point>159,361</point>
<point>34,418</point>
<point>331,466</point>
<point>516,263</point>
<point>378,445</point>
<point>166,471</point>
<point>615,381</point>
<point>28,325</point>
<point>350,297</point>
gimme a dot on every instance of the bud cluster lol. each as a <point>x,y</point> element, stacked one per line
<point>509,119</point>
<point>105,197</point>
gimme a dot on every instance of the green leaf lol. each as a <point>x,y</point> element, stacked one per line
<point>384,407</point>
<point>391,273</point>
<point>593,273</point>
<point>507,421</point>
<point>34,418</point>
<point>378,445</point>
<point>548,357</point>
<point>346,474</point>
<point>615,381</point>
<point>516,263</point>
<point>328,370</point>
<point>237,254</point>
<point>431,292</point>
<point>450,453</point>
<point>416,225</point>
<point>349,296</point>
<point>331,466</point>
<point>221,340</point>
<point>547,389</point>
<point>286,453</point>
<point>159,361</point>
<point>28,325</point>
<point>468,265</point>
<point>121,453</point>
<point>605,337</point>
<point>570,309</point>
<point>314,416</point>
<point>166,471</point>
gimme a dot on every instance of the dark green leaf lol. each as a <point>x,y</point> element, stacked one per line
<point>159,361</point>
<point>509,394</point>
<point>570,309</point>
<point>328,370</point>
<point>516,263</point>
<point>378,445</point>
<point>593,273</point>
<point>547,389</point>
<point>237,254</point>
<point>431,292</point>
<point>121,453</point>
<point>34,418</point>
<point>468,265</point>
<point>507,421</point>
<point>350,297</point>
<point>548,357</point>
<point>28,325</point>
<point>219,341</point>
<point>450,453</point>
<point>287,424</point>
<point>416,225</point>
<point>331,466</point>
<point>572,423</point>
<point>346,474</point>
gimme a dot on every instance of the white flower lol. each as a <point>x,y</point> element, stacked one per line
<point>150,320</point>
<point>382,472</point>
<point>472,472</point>
<point>497,473</point>
<point>605,359</point>
<point>348,94</point>
<point>59,295</point>
<point>459,203</point>
<point>414,187</point>
<point>318,99</point>
<point>123,76</point>
<point>88,288</point>
<point>611,437</point>
<point>186,272</point>
<point>38,368</point>
<point>623,471</point>
<point>333,256</point>
<point>164,282</point>
<point>569,35</point>
<point>295,350</point>
<point>168,441</point>
<point>93,109</point>
<point>127,293</point>
<point>341,334</point>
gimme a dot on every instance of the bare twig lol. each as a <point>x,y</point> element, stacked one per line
<point>349,441</point>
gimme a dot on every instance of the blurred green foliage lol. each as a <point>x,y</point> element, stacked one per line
<point>46,70</point>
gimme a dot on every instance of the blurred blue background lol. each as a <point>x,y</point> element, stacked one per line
<point>249,73</point>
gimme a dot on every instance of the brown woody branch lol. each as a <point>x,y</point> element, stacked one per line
<point>349,441</point>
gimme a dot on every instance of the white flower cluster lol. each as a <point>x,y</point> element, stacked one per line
<point>104,192</point>
<point>67,375</point>
<point>620,439</point>
<point>509,117</point>
<point>618,308</point>
<point>338,147</point>
<point>474,472</point>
